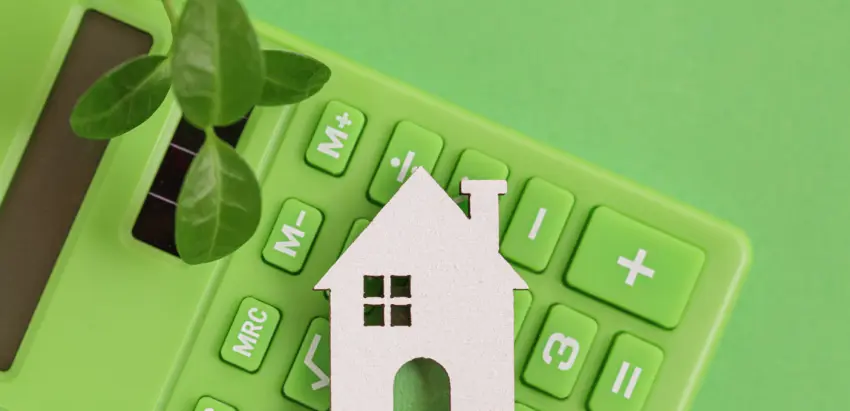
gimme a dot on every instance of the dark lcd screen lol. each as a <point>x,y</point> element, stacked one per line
<point>53,176</point>
<point>155,223</point>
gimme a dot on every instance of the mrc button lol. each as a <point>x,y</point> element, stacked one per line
<point>635,267</point>
<point>250,334</point>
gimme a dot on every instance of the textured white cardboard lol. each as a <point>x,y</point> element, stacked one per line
<point>461,299</point>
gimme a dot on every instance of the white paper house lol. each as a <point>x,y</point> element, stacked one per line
<point>460,294</point>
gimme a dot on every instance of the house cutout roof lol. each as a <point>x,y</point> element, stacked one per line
<point>420,211</point>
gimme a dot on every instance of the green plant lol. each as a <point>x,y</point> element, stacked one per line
<point>218,73</point>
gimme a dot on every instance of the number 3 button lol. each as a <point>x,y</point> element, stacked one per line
<point>559,354</point>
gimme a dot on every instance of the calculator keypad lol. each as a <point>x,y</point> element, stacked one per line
<point>628,375</point>
<point>410,146</point>
<point>335,137</point>
<point>635,267</point>
<point>558,356</point>
<point>617,260</point>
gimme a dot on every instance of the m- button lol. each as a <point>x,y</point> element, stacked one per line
<point>635,267</point>
<point>294,232</point>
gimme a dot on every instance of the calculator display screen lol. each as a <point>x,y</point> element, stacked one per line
<point>53,176</point>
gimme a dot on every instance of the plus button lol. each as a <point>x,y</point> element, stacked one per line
<point>343,120</point>
<point>635,267</point>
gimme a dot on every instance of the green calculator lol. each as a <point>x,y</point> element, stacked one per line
<point>629,291</point>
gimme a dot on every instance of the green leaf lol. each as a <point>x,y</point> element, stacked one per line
<point>217,64</point>
<point>291,77</point>
<point>122,99</point>
<point>219,206</point>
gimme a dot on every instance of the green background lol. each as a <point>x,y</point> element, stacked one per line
<point>741,108</point>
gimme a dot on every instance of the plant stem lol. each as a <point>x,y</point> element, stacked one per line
<point>171,12</point>
<point>209,132</point>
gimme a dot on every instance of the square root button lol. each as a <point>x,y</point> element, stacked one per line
<point>635,267</point>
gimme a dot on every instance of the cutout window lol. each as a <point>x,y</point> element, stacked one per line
<point>400,286</point>
<point>380,309</point>
<point>373,286</point>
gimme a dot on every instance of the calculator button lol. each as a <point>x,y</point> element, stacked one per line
<point>294,232</point>
<point>522,303</point>
<point>335,137</point>
<point>537,224</point>
<point>308,380</point>
<point>523,407</point>
<point>410,147</point>
<point>627,376</point>
<point>356,228</point>
<point>474,165</point>
<point>635,267</point>
<point>560,351</point>
<point>212,404</point>
<point>250,334</point>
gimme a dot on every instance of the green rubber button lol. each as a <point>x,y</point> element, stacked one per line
<point>627,376</point>
<point>295,230</point>
<point>523,407</point>
<point>537,224</point>
<point>474,165</point>
<point>410,147</point>
<point>250,334</point>
<point>335,138</point>
<point>522,303</point>
<point>308,380</point>
<point>635,267</point>
<point>212,404</point>
<point>561,349</point>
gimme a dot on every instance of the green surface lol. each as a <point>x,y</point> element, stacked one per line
<point>537,224</point>
<point>737,108</point>
<point>562,345</point>
<point>250,334</point>
<point>628,376</point>
<point>635,267</point>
